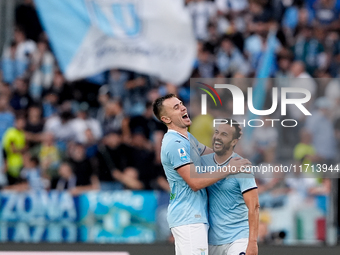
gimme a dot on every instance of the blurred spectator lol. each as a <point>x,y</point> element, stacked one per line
<point>116,82</point>
<point>206,66</point>
<point>104,97</point>
<point>291,17</point>
<point>6,116</point>
<point>142,173</point>
<point>321,128</point>
<point>26,17</point>
<point>147,124</point>
<point>61,127</point>
<point>332,92</point>
<point>134,99</point>
<point>82,166</point>
<point>14,144</point>
<point>334,39</point>
<point>42,68</point>
<point>309,50</point>
<point>21,99</point>
<point>284,60</point>
<point>112,156</point>
<point>48,155</point>
<point>59,87</point>
<point>50,104</point>
<point>67,180</point>
<point>230,60</point>
<point>6,122</point>
<point>15,59</point>
<point>83,124</point>
<point>114,118</point>
<point>304,151</point>
<point>201,12</point>
<point>11,69</point>
<point>31,174</point>
<point>213,38</point>
<point>264,141</point>
<point>153,131</point>
<point>82,169</point>
<point>234,10</point>
<point>300,79</point>
<point>260,10</point>
<point>34,125</point>
<point>326,13</point>
<point>256,44</point>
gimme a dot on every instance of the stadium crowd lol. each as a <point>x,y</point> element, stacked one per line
<point>100,133</point>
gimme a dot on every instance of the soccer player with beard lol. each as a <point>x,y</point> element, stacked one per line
<point>187,211</point>
<point>233,201</point>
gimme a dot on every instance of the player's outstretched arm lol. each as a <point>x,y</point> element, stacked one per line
<point>198,181</point>
<point>252,201</point>
<point>207,150</point>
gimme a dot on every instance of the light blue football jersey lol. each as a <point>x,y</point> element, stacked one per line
<point>228,213</point>
<point>186,206</point>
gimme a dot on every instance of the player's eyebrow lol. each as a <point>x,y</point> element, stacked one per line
<point>175,106</point>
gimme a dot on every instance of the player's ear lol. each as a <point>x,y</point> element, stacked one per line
<point>234,142</point>
<point>166,119</point>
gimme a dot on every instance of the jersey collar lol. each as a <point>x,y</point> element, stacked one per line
<point>174,131</point>
<point>225,162</point>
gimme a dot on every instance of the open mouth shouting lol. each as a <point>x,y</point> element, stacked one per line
<point>218,145</point>
<point>185,116</point>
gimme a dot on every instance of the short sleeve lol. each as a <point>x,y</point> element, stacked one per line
<point>200,146</point>
<point>246,182</point>
<point>178,154</point>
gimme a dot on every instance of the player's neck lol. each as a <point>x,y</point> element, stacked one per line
<point>222,158</point>
<point>183,131</point>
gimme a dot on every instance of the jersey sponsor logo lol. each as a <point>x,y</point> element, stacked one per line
<point>177,141</point>
<point>182,154</point>
<point>198,216</point>
<point>242,253</point>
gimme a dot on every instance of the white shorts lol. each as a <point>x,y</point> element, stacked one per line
<point>191,239</point>
<point>238,247</point>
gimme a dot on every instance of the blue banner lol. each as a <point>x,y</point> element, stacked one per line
<point>110,217</point>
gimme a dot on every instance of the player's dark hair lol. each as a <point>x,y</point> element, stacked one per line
<point>158,105</point>
<point>234,123</point>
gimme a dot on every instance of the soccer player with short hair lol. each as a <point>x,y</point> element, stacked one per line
<point>187,211</point>
<point>233,201</point>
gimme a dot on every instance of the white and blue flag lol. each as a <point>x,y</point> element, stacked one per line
<point>154,37</point>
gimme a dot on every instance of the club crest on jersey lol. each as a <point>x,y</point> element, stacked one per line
<point>182,154</point>
<point>202,250</point>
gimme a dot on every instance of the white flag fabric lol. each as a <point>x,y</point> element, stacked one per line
<point>154,37</point>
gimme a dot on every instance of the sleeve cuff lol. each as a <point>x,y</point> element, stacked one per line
<point>184,164</point>
<point>248,190</point>
<point>203,150</point>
